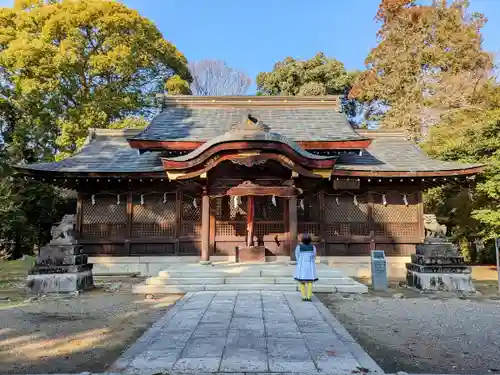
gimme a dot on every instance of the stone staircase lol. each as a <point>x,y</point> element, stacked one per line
<point>183,278</point>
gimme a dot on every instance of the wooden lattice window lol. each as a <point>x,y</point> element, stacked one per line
<point>394,217</point>
<point>154,215</point>
<point>191,215</point>
<point>231,218</point>
<point>227,210</point>
<point>308,214</point>
<point>346,215</point>
<point>267,209</point>
<point>104,216</point>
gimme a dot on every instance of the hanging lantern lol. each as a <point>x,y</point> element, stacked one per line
<point>92,199</point>
<point>337,200</point>
<point>301,204</point>
<point>384,200</point>
<point>355,200</point>
<point>273,200</point>
<point>405,200</point>
<point>164,197</point>
<point>235,201</point>
<point>117,198</point>
<point>142,199</point>
<point>195,205</point>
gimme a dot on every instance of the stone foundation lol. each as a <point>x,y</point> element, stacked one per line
<point>60,267</point>
<point>449,282</point>
<point>60,282</point>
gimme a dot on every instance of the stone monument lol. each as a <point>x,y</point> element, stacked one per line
<point>60,266</point>
<point>437,264</point>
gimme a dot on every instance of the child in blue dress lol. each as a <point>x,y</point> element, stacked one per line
<point>305,271</point>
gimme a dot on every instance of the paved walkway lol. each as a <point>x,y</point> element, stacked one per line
<point>246,332</point>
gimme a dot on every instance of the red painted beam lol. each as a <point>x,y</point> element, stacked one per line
<point>192,145</point>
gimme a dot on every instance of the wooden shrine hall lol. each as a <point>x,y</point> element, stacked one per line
<point>211,175</point>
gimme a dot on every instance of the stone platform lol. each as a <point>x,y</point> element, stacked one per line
<point>277,276</point>
<point>246,332</point>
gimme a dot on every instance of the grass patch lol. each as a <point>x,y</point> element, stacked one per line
<point>13,271</point>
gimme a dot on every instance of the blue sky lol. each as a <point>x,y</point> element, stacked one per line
<point>253,35</point>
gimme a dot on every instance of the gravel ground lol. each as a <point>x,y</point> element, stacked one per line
<point>419,333</point>
<point>75,334</point>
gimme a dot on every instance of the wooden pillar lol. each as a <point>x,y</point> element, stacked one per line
<point>205,228</point>
<point>178,221</point>
<point>79,215</point>
<point>420,215</point>
<point>250,220</point>
<point>129,222</point>
<point>371,221</point>
<point>212,231</point>
<point>322,233</point>
<point>292,217</point>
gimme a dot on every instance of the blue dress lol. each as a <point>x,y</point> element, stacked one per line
<point>305,269</point>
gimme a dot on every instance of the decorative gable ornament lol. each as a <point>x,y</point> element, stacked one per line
<point>249,123</point>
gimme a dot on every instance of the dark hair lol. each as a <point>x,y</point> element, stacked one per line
<point>306,239</point>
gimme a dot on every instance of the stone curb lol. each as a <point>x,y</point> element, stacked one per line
<point>358,352</point>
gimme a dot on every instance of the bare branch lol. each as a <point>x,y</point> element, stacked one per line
<point>214,77</point>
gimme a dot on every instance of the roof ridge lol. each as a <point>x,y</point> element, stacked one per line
<point>124,133</point>
<point>397,133</point>
<point>251,101</point>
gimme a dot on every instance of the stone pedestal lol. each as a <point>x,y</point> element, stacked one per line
<point>438,266</point>
<point>251,254</point>
<point>60,267</point>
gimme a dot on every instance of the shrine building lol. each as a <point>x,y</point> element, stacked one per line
<point>212,177</point>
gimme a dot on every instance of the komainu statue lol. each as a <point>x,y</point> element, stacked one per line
<point>432,227</point>
<point>64,231</point>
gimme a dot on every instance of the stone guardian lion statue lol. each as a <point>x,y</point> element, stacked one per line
<point>64,231</point>
<point>432,227</point>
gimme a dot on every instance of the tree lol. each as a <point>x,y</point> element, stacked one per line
<point>72,65</point>
<point>175,85</point>
<point>67,66</point>
<point>317,76</point>
<point>428,62</point>
<point>215,77</point>
<point>470,135</point>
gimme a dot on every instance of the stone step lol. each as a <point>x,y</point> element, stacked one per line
<point>184,280</point>
<point>242,280</point>
<point>289,273</point>
<point>185,288</point>
<point>322,273</point>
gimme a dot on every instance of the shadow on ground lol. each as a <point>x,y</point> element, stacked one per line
<point>74,334</point>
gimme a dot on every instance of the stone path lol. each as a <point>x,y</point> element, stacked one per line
<point>246,332</point>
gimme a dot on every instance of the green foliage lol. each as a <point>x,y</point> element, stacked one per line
<point>317,76</point>
<point>68,66</point>
<point>132,122</point>
<point>429,61</point>
<point>176,85</point>
<point>73,65</point>
<point>470,136</point>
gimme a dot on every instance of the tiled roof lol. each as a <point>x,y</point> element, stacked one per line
<point>391,151</point>
<point>204,118</point>
<point>105,151</point>
<point>109,151</point>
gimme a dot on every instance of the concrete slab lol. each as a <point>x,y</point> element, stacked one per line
<point>246,332</point>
